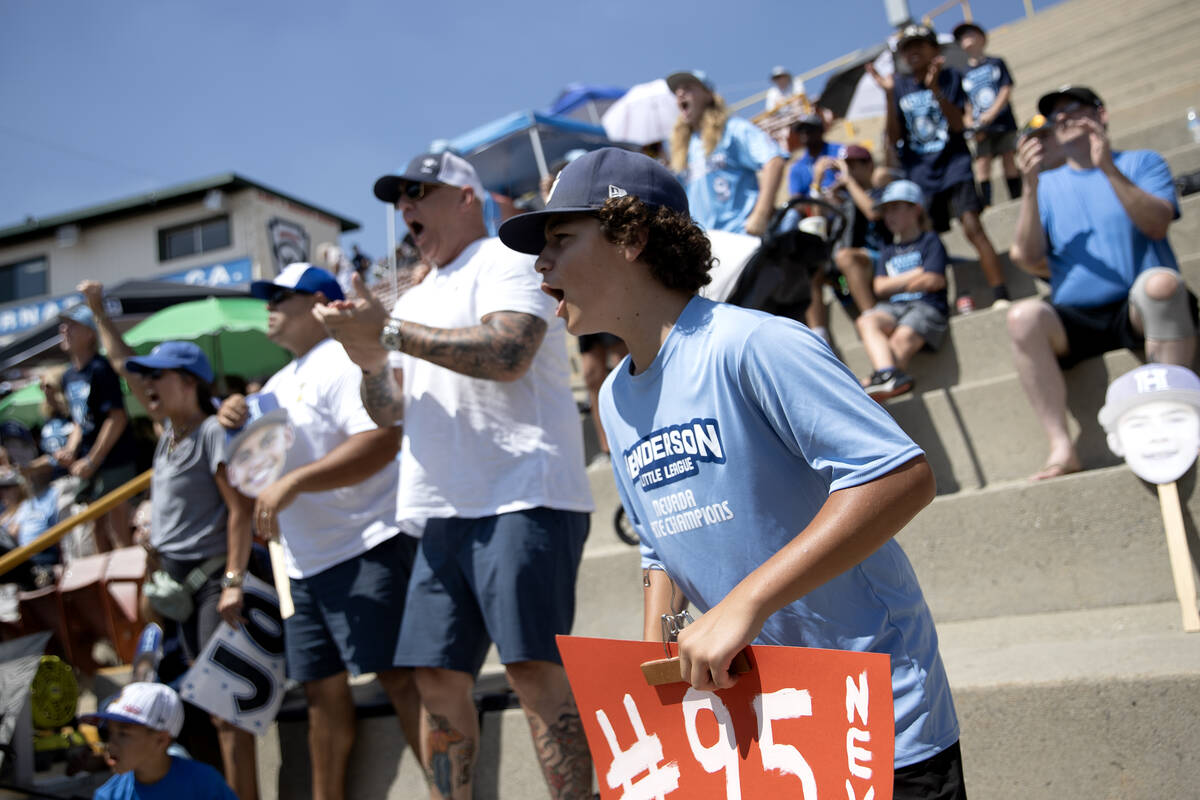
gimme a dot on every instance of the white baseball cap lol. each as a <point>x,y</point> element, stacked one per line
<point>154,705</point>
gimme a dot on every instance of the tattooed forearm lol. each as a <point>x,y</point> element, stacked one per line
<point>382,397</point>
<point>451,755</point>
<point>500,348</point>
<point>563,752</point>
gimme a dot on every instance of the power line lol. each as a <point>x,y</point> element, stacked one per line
<point>82,154</point>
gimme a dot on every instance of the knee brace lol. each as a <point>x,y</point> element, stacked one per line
<point>1163,320</point>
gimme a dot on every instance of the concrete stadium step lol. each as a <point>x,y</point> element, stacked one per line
<point>975,349</point>
<point>1154,45</point>
<point>1019,548</point>
<point>1081,26</point>
<point>985,432</point>
<point>1077,706</point>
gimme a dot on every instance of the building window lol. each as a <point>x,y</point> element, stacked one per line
<point>23,279</point>
<point>193,238</point>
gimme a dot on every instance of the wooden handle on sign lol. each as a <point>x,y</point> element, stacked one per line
<point>1177,550</point>
<point>283,586</point>
<point>666,670</point>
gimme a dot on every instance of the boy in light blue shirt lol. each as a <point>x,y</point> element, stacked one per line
<point>765,485</point>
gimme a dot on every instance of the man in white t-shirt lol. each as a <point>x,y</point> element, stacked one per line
<point>492,459</point>
<point>333,507</point>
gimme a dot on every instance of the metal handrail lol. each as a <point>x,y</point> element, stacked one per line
<point>99,508</point>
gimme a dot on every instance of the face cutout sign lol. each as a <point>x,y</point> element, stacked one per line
<point>1152,417</point>
<point>258,452</point>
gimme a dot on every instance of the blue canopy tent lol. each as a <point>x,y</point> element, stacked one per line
<point>585,102</point>
<point>513,153</point>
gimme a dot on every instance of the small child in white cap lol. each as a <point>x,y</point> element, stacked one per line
<point>141,723</point>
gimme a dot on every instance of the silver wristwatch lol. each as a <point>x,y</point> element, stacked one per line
<point>390,337</point>
<point>232,580</point>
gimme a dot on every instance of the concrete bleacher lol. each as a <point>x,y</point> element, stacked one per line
<point>1056,610</point>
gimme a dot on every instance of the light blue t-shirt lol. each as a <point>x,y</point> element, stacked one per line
<point>33,517</point>
<point>722,187</point>
<point>1092,246</point>
<point>186,780</point>
<point>727,446</point>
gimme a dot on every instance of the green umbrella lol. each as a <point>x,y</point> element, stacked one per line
<point>232,331</point>
<point>24,405</point>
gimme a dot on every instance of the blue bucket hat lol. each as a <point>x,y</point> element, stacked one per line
<point>590,181</point>
<point>902,191</point>
<point>184,356</point>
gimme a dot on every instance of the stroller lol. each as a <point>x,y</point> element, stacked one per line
<point>777,277</point>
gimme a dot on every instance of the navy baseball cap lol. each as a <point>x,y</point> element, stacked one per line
<point>590,181</point>
<point>445,168</point>
<point>1083,94</point>
<point>184,356</point>
<point>916,33</point>
<point>302,277</point>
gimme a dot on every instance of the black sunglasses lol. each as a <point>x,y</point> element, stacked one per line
<point>280,294</point>
<point>413,190</point>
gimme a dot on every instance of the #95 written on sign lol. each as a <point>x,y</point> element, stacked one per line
<point>803,723</point>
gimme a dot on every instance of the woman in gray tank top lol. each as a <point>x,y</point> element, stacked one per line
<point>197,519</point>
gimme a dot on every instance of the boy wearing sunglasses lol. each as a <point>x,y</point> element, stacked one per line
<point>1096,228</point>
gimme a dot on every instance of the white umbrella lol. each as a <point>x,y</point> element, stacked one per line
<point>868,100</point>
<point>646,114</point>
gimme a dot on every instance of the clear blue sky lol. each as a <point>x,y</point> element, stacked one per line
<point>103,100</point>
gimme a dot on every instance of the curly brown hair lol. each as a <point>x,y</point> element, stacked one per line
<point>676,249</point>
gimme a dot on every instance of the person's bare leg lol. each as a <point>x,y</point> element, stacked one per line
<point>816,316</point>
<point>856,265</point>
<point>554,723</point>
<point>238,758</point>
<point>116,524</point>
<point>401,689</point>
<point>989,262</point>
<point>449,732</point>
<point>874,330</point>
<point>1164,351</point>
<point>983,168</point>
<point>904,343</point>
<point>594,365</point>
<point>1038,339</point>
<point>331,729</point>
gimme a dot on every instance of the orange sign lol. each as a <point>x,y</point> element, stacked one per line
<point>803,723</point>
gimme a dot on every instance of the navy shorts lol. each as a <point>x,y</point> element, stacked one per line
<point>348,616</point>
<point>937,778</point>
<point>1095,331</point>
<point>952,202</point>
<point>509,578</point>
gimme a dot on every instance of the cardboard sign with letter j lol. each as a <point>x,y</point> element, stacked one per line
<point>802,723</point>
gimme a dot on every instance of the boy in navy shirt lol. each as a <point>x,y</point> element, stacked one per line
<point>925,112</point>
<point>988,85</point>
<point>910,280</point>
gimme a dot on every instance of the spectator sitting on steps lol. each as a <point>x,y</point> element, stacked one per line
<point>910,275</point>
<point>1096,228</point>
